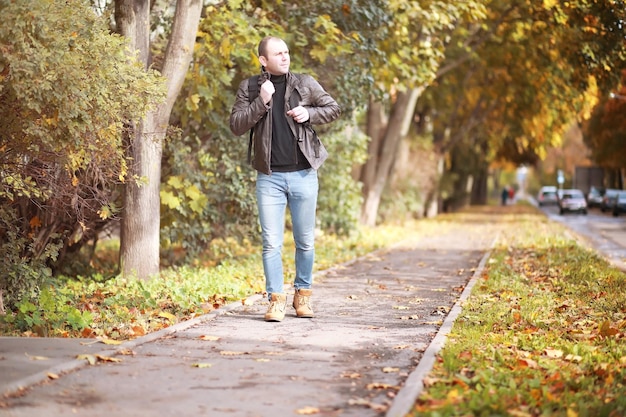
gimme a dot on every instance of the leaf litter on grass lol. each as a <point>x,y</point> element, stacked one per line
<point>543,333</point>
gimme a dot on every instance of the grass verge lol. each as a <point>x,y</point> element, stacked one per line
<point>121,309</point>
<point>542,334</point>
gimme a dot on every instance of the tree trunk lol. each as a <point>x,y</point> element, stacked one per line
<point>139,246</point>
<point>383,149</point>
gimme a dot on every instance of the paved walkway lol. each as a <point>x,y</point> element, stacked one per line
<point>374,336</point>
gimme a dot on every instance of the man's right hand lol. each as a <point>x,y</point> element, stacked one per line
<point>267,91</point>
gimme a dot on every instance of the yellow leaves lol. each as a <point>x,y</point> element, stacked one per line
<point>549,4</point>
<point>201,365</point>
<point>209,338</point>
<point>93,359</point>
<point>36,358</point>
<point>192,102</point>
<point>232,353</point>
<point>169,316</point>
<point>307,411</point>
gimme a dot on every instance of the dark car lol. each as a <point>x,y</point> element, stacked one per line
<point>572,201</point>
<point>594,197</point>
<point>618,203</point>
<point>607,198</point>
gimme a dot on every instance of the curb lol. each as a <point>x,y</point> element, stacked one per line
<point>15,387</point>
<point>405,399</point>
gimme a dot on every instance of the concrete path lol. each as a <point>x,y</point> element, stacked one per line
<point>376,327</point>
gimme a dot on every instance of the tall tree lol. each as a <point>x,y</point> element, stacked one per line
<point>139,246</point>
<point>413,47</point>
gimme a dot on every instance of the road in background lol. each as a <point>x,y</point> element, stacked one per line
<point>605,233</point>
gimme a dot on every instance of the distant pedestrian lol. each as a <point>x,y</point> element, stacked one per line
<point>511,194</point>
<point>286,155</point>
<point>505,195</point>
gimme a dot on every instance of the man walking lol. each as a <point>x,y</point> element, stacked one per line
<point>280,107</point>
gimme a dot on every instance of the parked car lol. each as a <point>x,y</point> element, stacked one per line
<point>594,197</point>
<point>572,200</point>
<point>618,203</point>
<point>547,195</point>
<point>607,198</point>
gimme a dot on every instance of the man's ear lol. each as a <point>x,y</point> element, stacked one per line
<point>263,61</point>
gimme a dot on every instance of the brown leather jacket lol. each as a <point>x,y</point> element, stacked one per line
<point>321,106</point>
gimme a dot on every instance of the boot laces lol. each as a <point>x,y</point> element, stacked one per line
<point>277,306</point>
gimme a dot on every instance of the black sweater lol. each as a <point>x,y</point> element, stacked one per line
<point>286,154</point>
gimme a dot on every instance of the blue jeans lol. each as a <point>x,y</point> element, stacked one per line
<point>274,193</point>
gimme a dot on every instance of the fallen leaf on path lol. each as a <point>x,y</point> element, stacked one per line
<point>351,375</point>
<point>352,297</point>
<point>35,357</point>
<point>201,365</point>
<point>108,358</point>
<point>110,341</point>
<point>367,403</point>
<point>380,385</point>
<point>246,302</point>
<point>308,411</point>
<point>263,360</point>
<point>53,375</point>
<point>89,358</point>
<point>402,347</point>
<point>401,307</point>
<point>232,353</point>
<point>389,369</point>
<point>209,338</point>
<point>413,317</point>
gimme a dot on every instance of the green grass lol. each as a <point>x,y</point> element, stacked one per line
<point>119,308</point>
<point>541,335</point>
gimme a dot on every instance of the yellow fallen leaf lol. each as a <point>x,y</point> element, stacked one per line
<point>231,353</point>
<point>389,369</point>
<point>308,411</point>
<point>246,302</point>
<point>36,358</point>
<point>402,347</point>
<point>262,360</point>
<point>111,342</point>
<point>401,308</point>
<point>351,375</point>
<point>89,358</point>
<point>202,365</point>
<point>380,385</point>
<point>209,338</point>
<point>168,316</point>
<point>53,375</point>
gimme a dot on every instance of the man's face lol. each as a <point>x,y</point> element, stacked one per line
<point>277,60</point>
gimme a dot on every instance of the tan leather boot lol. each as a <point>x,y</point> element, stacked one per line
<point>302,303</point>
<point>276,310</point>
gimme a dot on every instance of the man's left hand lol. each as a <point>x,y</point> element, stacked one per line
<point>299,114</point>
